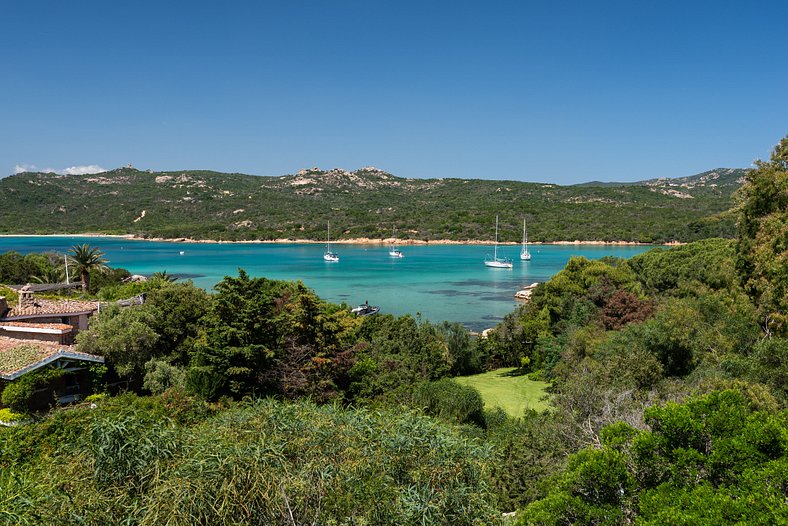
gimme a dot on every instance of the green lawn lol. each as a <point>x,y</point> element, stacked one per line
<point>514,394</point>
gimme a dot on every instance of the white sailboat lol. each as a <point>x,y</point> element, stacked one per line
<point>524,254</point>
<point>328,255</point>
<point>497,262</point>
<point>394,252</point>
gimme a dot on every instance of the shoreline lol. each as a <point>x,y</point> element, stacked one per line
<point>352,241</point>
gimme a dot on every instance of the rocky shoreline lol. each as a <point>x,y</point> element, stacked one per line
<point>524,294</point>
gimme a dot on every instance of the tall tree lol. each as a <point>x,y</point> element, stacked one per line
<point>87,258</point>
<point>763,238</point>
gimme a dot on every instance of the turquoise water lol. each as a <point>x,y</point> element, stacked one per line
<point>442,282</point>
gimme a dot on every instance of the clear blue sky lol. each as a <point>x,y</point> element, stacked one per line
<point>562,92</point>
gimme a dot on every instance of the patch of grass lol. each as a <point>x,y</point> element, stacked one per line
<point>513,394</point>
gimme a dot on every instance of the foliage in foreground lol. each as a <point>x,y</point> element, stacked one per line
<point>264,462</point>
<point>617,337</point>
<point>258,337</point>
<point>763,238</point>
<point>712,460</point>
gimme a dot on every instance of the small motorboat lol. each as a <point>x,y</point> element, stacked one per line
<point>365,309</point>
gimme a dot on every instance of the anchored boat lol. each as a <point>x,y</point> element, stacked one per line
<point>328,255</point>
<point>497,262</point>
<point>365,309</point>
<point>524,254</point>
<point>394,252</point>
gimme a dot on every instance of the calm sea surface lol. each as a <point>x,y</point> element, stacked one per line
<point>442,282</point>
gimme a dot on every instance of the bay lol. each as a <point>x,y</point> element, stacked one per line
<point>439,282</point>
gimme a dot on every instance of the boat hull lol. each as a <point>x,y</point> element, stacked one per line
<point>365,310</point>
<point>498,264</point>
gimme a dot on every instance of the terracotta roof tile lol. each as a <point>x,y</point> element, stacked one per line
<point>20,356</point>
<point>23,324</point>
<point>17,354</point>
<point>42,307</point>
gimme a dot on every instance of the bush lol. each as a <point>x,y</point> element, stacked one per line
<point>124,447</point>
<point>18,394</point>
<point>710,261</point>
<point>8,416</point>
<point>264,463</point>
<point>450,401</point>
<point>711,460</point>
<point>95,397</point>
<point>160,376</point>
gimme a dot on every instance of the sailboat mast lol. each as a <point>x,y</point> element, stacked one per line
<point>328,238</point>
<point>525,235</point>
<point>495,250</point>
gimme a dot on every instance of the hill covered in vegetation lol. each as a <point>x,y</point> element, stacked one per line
<point>667,401</point>
<point>262,403</point>
<point>365,203</point>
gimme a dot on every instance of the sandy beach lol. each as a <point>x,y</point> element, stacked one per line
<point>351,241</point>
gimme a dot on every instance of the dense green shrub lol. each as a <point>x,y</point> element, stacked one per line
<point>126,448</point>
<point>16,269</point>
<point>395,354</point>
<point>124,337</point>
<point>161,376</point>
<point>7,415</point>
<point>163,328</point>
<point>696,462</point>
<point>450,401</point>
<point>709,261</point>
<point>108,278</point>
<point>530,451</point>
<point>265,463</point>
<point>262,336</point>
<point>18,394</point>
<point>762,243</point>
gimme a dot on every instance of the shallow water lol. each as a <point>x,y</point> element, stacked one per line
<point>441,282</point>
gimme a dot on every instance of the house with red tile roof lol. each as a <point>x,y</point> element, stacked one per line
<point>38,333</point>
<point>61,333</point>
<point>21,357</point>
<point>40,319</point>
<point>18,357</point>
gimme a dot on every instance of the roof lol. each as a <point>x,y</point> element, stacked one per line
<point>18,357</point>
<point>42,307</point>
<point>45,287</point>
<point>27,325</point>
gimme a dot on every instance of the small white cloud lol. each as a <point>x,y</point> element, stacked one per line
<point>71,170</point>
<point>82,170</point>
<point>19,168</point>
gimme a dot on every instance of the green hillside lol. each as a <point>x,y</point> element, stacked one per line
<point>364,203</point>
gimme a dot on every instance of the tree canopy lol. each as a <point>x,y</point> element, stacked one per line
<point>763,237</point>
